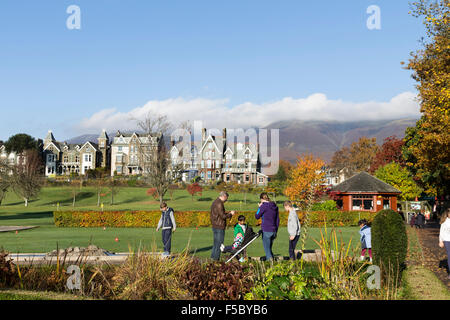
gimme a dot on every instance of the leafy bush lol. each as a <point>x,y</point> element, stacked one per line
<point>389,242</point>
<point>218,280</point>
<point>287,281</point>
<point>190,219</point>
<point>329,205</point>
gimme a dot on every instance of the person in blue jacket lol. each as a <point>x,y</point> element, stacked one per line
<point>168,225</point>
<point>366,239</point>
<point>268,213</point>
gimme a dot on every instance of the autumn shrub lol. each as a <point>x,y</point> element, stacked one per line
<point>147,276</point>
<point>8,276</point>
<point>192,219</point>
<point>389,242</point>
<point>214,280</point>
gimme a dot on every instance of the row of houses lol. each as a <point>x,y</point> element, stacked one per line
<point>212,159</point>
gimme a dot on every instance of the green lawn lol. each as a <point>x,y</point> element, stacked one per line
<point>47,236</point>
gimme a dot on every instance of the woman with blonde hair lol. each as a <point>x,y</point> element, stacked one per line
<point>444,234</point>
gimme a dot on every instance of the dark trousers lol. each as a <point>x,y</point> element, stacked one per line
<point>292,244</point>
<point>167,239</point>
<point>218,238</point>
<point>447,247</point>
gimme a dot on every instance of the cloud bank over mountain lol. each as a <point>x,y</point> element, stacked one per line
<point>217,113</point>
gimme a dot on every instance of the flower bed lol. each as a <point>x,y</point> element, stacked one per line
<point>189,219</point>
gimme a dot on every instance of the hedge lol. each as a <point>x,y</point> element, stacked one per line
<point>149,219</point>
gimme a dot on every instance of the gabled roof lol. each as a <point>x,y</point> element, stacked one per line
<point>92,144</point>
<point>364,182</point>
<point>55,144</point>
<point>210,138</point>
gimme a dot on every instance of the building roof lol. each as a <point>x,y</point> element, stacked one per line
<point>364,182</point>
<point>50,136</point>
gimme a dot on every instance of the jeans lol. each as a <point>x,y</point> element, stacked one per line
<point>447,247</point>
<point>292,244</point>
<point>167,239</point>
<point>219,237</point>
<point>267,239</point>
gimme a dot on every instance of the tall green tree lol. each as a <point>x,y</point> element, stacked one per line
<point>400,179</point>
<point>20,142</point>
<point>428,145</point>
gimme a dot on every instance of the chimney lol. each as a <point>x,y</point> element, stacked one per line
<point>203,134</point>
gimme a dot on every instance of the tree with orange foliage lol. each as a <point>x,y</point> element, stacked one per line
<point>427,145</point>
<point>306,181</point>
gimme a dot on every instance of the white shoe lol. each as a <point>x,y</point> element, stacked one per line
<point>222,247</point>
<point>362,258</point>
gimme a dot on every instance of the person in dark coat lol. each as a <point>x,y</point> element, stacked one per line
<point>268,213</point>
<point>420,220</point>
<point>219,219</point>
<point>412,222</point>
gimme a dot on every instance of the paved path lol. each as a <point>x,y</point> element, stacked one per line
<point>435,257</point>
<point>15,228</point>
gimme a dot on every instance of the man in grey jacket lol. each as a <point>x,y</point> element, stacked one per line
<point>293,227</point>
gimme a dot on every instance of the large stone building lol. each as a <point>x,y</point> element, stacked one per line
<point>215,159</point>
<point>130,152</point>
<point>65,159</point>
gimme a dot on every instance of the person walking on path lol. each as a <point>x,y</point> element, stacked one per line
<point>168,226</point>
<point>268,213</point>
<point>420,220</point>
<point>444,235</point>
<point>293,227</point>
<point>219,222</point>
<point>366,239</point>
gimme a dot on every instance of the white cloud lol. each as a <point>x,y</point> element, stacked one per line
<point>218,113</point>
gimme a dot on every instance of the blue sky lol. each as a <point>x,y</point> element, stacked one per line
<point>237,52</point>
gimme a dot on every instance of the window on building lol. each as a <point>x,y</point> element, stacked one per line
<point>209,164</point>
<point>247,178</point>
<point>119,169</point>
<point>119,158</point>
<point>120,148</point>
<point>209,175</point>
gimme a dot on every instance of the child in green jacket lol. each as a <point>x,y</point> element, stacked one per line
<point>239,232</point>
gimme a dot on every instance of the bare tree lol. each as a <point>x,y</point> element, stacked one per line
<point>158,170</point>
<point>26,176</point>
<point>114,185</point>
<point>5,180</point>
